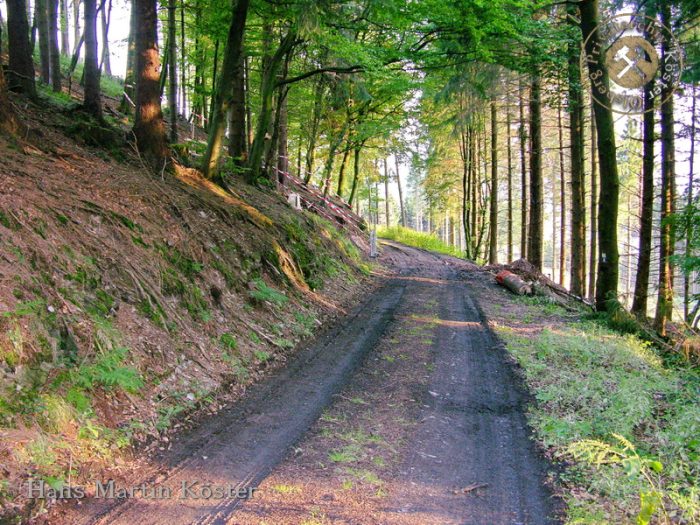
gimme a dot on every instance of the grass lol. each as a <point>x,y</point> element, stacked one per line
<point>426,241</point>
<point>625,421</point>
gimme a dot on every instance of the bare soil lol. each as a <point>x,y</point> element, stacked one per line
<point>408,411</point>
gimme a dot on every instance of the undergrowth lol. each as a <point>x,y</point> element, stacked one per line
<point>625,421</point>
<point>425,241</point>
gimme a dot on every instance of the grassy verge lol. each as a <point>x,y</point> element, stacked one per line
<point>426,241</point>
<point>625,423</point>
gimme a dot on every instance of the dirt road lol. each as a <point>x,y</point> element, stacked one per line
<point>407,412</point>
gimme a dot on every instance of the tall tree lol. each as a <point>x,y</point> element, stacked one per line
<point>562,198</point>
<point>522,135</point>
<point>283,135</point>
<point>691,195</point>
<point>149,129</point>
<point>509,154</point>
<point>267,90</point>
<point>172,70</point>
<point>223,94</point>
<point>65,44</point>
<point>127,101</point>
<point>535,232</point>
<point>20,71</point>
<point>398,183</point>
<point>386,191</point>
<point>493,196</point>
<point>41,17</point>
<point>576,144</point>
<point>106,18</point>
<point>593,255</point>
<point>55,52</point>
<point>92,102</point>
<point>641,284</point>
<point>607,277</point>
<point>238,143</point>
<point>77,33</point>
<point>664,303</point>
<point>313,132</point>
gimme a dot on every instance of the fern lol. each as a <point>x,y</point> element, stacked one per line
<point>108,371</point>
<point>624,454</point>
<point>264,293</point>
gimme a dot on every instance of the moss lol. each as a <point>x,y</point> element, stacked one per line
<point>8,221</point>
<point>126,221</point>
<point>101,305</point>
<point>229,275</point>
<point>138,241</point>
<point>186,265</point>
<point>191,296</point>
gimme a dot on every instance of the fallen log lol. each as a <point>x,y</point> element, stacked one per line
<point>514,283</point>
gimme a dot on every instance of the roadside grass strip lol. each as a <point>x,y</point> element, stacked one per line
<point>624,423</point>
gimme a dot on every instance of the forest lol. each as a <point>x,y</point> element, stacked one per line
<point>483,109</point>
<point>187,189</point>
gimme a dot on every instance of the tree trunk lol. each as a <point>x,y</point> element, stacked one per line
<point>248,111</point>
<point>214,77</point>
<point>535,237</point>
<point>238,144</point>
<point>267,89</point>
<point>172,70</point>
<point>313,134</point>
<point>509,154</point>
<point>198,64</point>
<point>74,62</point>
<point>576,143</point>
<point>386,191</point>
<point>92,102</point>
<point>356,173</point>
<point>183,60</point>
<point>341,172</point>
<point>106,16</point>
<point>523,170</point>
<point>398,183</point>
<point>493,197</point>
<point>691,181</point>
<point>562,199</point>
<point>125,106</point>
<point>20,72</point>
<point>8,119</point>
<point>607,277</point>
<point>149,129</point>
<point>641,285</point>
<point>224,89</point>
<point>664,304</point>
<point>473,183</point>
<point>466,176</point>
<point>54,50</point>
<point>77,33</point>
<point>283,135</point>
<point>65,45</point>
<point>593,256</point>
<point>41,14</point>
